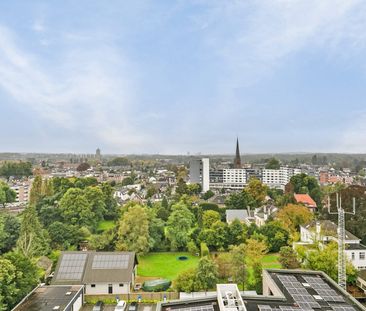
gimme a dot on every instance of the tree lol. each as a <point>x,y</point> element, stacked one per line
<point>109,200</point>
<point>254,250</point>
<point>186,281</point>
<point>288,258</point>
<point>239,200</point>
<point>16,169</point>
<point>209,218</point>
<point>133,230</point>
<point>178,226</point>
<point>156,233</point>
<point>236,232</point>
<point>223,262</point>
<point>257,277</point>
<point>273,164</point>
<point>63,235</point>
<point>7,195</point>
<point>95,197</point>
<point>326,260</point>
<point>8,289</point>
<point>9,232</point>
<point>26,275</point>
<point>238,265</point>
<point>275,234</point>
<point>293,216</point>
<point>33,240</point>
<point>303,183</point>
<point>120,161</point>
<point>206,275</point>
<point>257,191</point>
<point>208,194</point>
<point>75,208</point>
<point>82,167</point>
<point>35,194</point>
<point>181,187</point>
<point>194,189</point>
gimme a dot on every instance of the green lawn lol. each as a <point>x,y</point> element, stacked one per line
<point>105,225</point>
<point>270,261</point>
<point>165,265</point>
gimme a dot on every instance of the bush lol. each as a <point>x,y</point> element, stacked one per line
<point>204,250</point>
<point>192,248</point>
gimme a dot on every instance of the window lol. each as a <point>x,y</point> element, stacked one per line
<point>92,285</point>
<point>121,284</point>
<point>353,256</point>
<point>362,255</point>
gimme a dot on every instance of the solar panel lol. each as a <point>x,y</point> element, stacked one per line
<point>342,308</point>
<point>110,261</point>
<point>289,308</point>
<point>71,267</point>
<point>197,308</point>
<point>309,305</point>
<point>264,308</point>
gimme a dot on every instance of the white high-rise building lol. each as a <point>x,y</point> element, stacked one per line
<point>199,172</point>
<point>234,178</point>
<point>278,178</point>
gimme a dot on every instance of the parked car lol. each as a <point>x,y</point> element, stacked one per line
<point>99,306</point>
<point>137,286</point>
<point>121,306</point>
<point>132,306</point>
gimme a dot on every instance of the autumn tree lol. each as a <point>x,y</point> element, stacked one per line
<point>293,216</point>
<point>257,191</point>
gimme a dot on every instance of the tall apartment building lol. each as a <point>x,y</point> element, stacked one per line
<point>199,172</point>
<point>234,178</point>
<point>278,178</point>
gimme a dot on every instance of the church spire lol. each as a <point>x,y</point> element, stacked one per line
<point>237,161</point>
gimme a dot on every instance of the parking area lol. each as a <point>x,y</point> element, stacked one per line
<point>141,307</point>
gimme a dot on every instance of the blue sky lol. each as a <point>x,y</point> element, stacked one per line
<point>183,76</point>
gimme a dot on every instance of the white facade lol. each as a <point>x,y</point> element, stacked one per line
<point>278,178</point>
<point>355,251</point>
<point>199,172</point>
<point>235,178</point>
<point>107,288</point>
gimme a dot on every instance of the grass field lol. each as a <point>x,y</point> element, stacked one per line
<point>165,265</point>
<point>105,225</point>
<point>270,261</point>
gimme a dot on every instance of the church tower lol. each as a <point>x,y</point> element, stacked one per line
<point>237,160</point>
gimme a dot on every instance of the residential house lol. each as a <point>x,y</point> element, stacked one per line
<point>325,231</point>
<point>101,272</point>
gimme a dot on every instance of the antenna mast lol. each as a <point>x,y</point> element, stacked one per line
<point>342,276</point>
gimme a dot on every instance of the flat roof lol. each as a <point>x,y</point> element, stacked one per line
<point>300,290</point>
<point>45,298</point>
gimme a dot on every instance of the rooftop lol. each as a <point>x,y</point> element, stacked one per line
<point>287,290</point>
<point>305,199</point>
<point>45,298</point>
<point>94,267</point>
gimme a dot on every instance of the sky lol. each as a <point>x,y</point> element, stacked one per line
<point>171,77</point>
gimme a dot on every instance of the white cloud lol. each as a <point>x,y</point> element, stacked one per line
<point>262,34</point>
<point>86,90</point>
